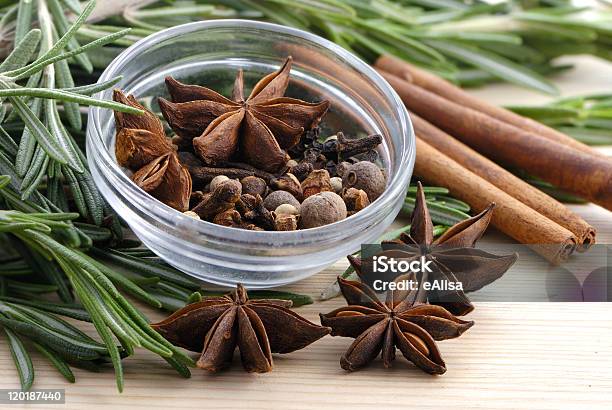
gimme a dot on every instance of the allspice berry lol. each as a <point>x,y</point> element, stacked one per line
<point>336,184</point>
<point>277,198</point>
<point>317,181</point>
<point>253,185</point>
<point>216,181</point>
<point>322,209</point>
<point>366,176</point>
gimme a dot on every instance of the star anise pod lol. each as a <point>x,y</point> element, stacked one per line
<point>141,145</point>
<point>399,322</point>
<point>216,326</point>
<point>139,138</point>
<point>453,255</point>
<point>260,128</point>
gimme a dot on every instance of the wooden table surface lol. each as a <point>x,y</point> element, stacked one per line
<point>518,355</point>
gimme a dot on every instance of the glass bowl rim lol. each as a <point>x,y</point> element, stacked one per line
<point>160,211</point>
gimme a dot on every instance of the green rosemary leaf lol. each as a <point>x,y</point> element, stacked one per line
<point>141,321</point>
<point>278,14</point>
<point>174,290</point>
<point>38,130</point>
<point>22,53</point>
<point>50,270</point>
<point>71,311</point>
<point>495,39</point>
<point>106,337</point>
<point>65,39</point>
<point>21,358</point>
<point>62,26</point>
<point>61,216</point>
<point>54,340</point>
<point>24,19</point>
<point>64,80</point>
<point>7,143</point>
<point>59,363</point>
<point>146,268</point>
<point>27,144</point>
<point>94,202</point>
<point>4,180</point>
<point>546,113</point>
<point>96,233</point>
<point>331,8</point>
<point>80,261</point>
<point>62,95</point>
<point>54,324</point>
<point>194,297</point>
<point>412,189</point>
<point>99,304</point>
<point>73,5</point>
<point>590,136</point>
<point>495,64</point>
<point>77,195</point>
<point>42,62</point>
<point>169,303</point>
<point>127,285</point>
<point>14,268</point>
<point>179,367</point>
<point>440,214</point>
<point>555,192</point>
<point>28,287</point>
<point>36,173</point>
<point>453,203</point>
<point>9,14</point>
<point>94,88</point>
<point>296,298</point>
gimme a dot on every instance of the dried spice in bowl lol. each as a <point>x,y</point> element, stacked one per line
<point>256,163</point>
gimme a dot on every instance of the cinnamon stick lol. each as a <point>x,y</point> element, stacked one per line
<point>510,216</point>
<point>586,175</point>
<point>504,180</point>
<point>443,88</point>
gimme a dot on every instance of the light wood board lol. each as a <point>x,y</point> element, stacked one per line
<point>517,356</point>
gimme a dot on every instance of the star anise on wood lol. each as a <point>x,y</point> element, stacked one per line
<point>259,128</point>
<point>453,255</point>
<point>398,322</point>
<point>216,326</point>
<point>141,145</point>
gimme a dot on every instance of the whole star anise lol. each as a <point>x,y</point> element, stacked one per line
<point>454,258</point>
<point>260,128</point>
<point>399,322</point>
<point>141,145</point>
<point>216,326</point>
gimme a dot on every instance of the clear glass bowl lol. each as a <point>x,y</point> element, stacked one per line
<point>209,53</point>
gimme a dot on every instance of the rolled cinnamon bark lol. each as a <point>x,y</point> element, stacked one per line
<point>574,171</point>
<point>504,180</point>
<point>443,88</point>
<point>510,216</point>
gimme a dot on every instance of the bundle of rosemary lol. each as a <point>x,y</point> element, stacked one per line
<point>44,178</point>
<point>470,42</point>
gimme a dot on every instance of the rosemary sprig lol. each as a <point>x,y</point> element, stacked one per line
<point>586,118</point>
<point>94,285</point>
